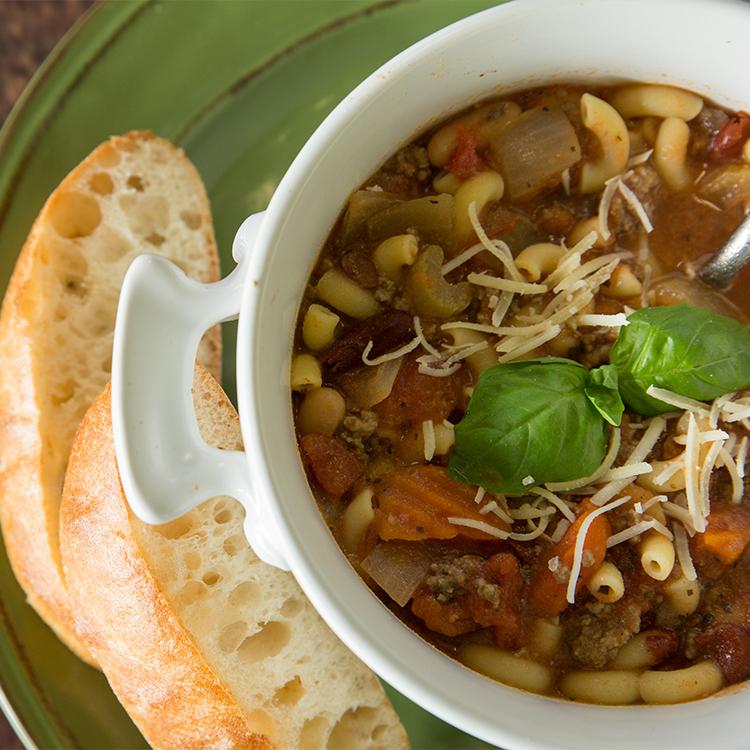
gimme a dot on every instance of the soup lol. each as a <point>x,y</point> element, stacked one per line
<point>521,415</point>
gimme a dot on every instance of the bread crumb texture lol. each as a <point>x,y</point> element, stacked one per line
<point>280,668</point>
<point>134,194</point>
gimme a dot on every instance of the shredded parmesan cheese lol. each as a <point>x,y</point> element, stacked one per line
<point>531,344</point>
<point>565,180</point>
<point>428,434</point>
<point>487,507</point>
<point>505,285</point>
<point>642,449</point>
<point>692,490</point>
<point>498,248</point>
<point>632,200</point>
<point>741,458</point>
<point>405,349</point>
<point>632,531</point>
<point>553,499</point>
<point>527,480</point>
<point>683,553</point>
<point>605,204</point>
<point>674,399</point>
<point>575,571</point>
<point>479,526</point>
<point>639,159</point>
<point>628,471</point>
<point>562,526</point>
<point>480,495</point>
<point>611,321</point>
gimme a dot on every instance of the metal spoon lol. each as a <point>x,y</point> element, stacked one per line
<point>719,270</point>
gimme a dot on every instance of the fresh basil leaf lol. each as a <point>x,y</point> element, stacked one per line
<point>528,419</point>
<point>684,349</point>
<point>601,390</point>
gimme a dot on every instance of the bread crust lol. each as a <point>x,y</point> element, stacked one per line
<point>29,516</point>
<point>151,662</point>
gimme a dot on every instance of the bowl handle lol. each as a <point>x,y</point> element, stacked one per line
<point>165,466</point>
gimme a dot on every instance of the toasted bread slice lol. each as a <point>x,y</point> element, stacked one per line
<point>134,194</point>
<point>205,645</point>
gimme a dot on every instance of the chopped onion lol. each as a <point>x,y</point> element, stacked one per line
<point>371,385</point>
<point>727,186</point>
<point>534,150</point>
<point>398,568</point>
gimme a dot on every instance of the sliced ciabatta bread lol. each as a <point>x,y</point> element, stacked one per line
<point>205,645</point>
<point>134,194</point>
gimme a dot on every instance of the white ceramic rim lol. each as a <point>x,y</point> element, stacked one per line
<point>456,694</point>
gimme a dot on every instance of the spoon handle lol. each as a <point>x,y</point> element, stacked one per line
<point>730,260</point>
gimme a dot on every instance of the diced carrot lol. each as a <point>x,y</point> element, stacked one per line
<point>415,397</point>
<point>416,502</point>
<point>548,589</point>
<point>334,466</point>
<point>728,533</point>
<point>465,162</point>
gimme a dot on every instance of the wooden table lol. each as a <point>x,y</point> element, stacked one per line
<point>28,31</point>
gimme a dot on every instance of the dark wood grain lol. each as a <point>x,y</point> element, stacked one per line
<point>29,29</point>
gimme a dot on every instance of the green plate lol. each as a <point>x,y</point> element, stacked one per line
<point>241,86</point>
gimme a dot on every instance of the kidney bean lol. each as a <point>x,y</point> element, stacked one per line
<point>387,330</point>
<point>360,267</point>
<point>334,466</point>
<point>729,646</point>
<point>728,142</point>
<point>662,645</point>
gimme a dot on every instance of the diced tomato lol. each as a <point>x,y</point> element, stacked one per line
<point>728,533</point>
<point>415,398</point>
<point>494,598</point>
<point>662,644</point>
<point>446,618</point>
<point>727,143</point>
<point>729,646</point>
<point>465,162</point>
<point>548,589</point>
<point>490,597</point>
<point>334,466</point>
<point>415,503</point>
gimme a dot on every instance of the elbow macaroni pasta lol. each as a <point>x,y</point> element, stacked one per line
<point>584,227</point>
<point>680,685</point>
<point>481,189</point>
<point>651,100</point>
<point>606,584</point>
<point>635,654</point>
<point>610,130</point>
<point>306,373</point>
<point>480,361</point>
<point>682,595</point>
<point>546,637</point>
<point>392,255</point>
<point>609,687</point>
<point>319,327</point>
<point>339,291</point>
<point>517,671</point>
<point>657,555</point>
<point>485,124</point>
<point>539,260</point>
<point>670,153</point>
<point>356,519</point>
